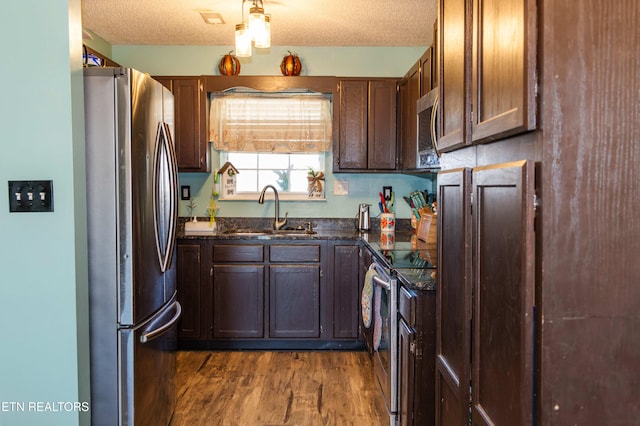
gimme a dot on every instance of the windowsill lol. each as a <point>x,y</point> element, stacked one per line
<point>281,197</point>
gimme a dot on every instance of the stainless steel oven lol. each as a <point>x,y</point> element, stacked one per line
<point>385,335</point>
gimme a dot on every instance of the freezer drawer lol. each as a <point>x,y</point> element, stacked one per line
<point>144,376</point>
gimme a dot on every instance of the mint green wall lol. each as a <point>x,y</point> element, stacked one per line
<point>43,289</point>
<point>337,61</point>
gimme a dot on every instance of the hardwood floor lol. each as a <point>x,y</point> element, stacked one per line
<point>277,388</point>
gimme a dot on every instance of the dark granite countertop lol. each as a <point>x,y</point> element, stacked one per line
<point>324,228</point>
<point>413,260</point>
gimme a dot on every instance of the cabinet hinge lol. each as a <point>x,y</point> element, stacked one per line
<point>321,273</point>
<point>536,202</point>
<point>471,198</point>
<point>211,272</point>
<point>201,87</point>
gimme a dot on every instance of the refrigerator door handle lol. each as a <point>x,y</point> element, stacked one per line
<point>155,332</point>
<point>165,192</point>
<point>173,193</point>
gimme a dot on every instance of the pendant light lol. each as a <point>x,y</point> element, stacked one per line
<point>256,29</point>
<point>243,41</point>
<point>263,40</point>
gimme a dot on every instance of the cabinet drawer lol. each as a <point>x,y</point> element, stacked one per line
<point>238,253</point>
<point>294,253</point>
<point>407,307</point>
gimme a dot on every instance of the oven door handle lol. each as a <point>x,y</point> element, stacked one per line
<point>382,283</point>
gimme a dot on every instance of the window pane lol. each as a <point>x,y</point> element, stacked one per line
<point>247,181</point>
<point>243,161</point>
<point>306,161</point>
<point>274,161</point>
<point>299,181</point>
<point>268,177</point>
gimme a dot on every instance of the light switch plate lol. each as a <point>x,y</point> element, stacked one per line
<point>30,195</point>
<point>340,187</point>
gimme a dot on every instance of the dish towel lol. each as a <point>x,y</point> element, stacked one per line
<point>367,296</point>
<point>377,327</point>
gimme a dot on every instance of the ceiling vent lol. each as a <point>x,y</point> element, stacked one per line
<point>212,17</point>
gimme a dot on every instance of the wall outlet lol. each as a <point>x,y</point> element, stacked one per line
<point>340,187</point>
<point>30,195</point>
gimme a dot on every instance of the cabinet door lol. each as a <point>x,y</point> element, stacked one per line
<point>382,148</point>
<point>238,301</point>
<point>346,291</point>
<point>454,73</point>
<point>406,375</point>
<point>367,135</point>
<point>453,321</point>
<point>352,142</point>
<point>426,69</point>
<point>190,288</point>
<point>190,125</point>
<point>409,92</point>
<point>294,301</point>
<point>504,63</point>
<point>503,339</point>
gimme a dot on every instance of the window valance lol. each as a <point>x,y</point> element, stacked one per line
<point>271,122</point>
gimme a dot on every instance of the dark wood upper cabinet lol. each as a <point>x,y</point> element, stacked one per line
<point>190,112</point>
<point>504,68</point>
<point>367,126</point>
<point>409,92</point>
<point>426,71</point>
<point>487,70</point>
<point>454,73</point>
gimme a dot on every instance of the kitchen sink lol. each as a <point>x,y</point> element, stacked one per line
<point>244,232</point>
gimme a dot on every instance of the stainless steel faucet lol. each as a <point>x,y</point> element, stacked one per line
<point>277,223</point>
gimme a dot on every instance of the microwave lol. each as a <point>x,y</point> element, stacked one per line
<point>427,155</point>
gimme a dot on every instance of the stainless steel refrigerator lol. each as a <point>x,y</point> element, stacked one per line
<point>132,215</point>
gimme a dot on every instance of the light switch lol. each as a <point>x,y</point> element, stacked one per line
<point>30,195</point>
<point>185,192</point>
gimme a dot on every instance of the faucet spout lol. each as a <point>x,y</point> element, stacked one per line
<point>277,223</point>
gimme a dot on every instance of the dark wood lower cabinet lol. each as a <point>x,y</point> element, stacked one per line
<point>192,285</point>
<point>269,294</point>
<point>416,357</point>
<point>347,286</point>
<point>294,301</point>
<point>238,301</point>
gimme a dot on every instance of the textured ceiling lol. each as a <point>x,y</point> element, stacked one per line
<point>293,22</point>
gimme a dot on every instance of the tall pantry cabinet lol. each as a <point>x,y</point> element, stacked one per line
<point>538,219</point>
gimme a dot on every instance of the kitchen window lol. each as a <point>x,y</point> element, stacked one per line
<point>279,139</point>
<point>288,173</point>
